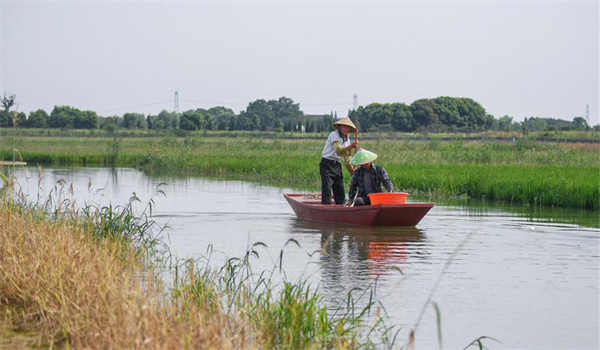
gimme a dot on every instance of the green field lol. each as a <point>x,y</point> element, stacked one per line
<point>553,136</point>
<point>521,171</point>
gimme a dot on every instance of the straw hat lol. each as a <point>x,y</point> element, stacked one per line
<point>363,157</point>
<point>344,121</point>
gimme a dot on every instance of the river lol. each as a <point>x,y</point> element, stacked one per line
<point>529,280</point>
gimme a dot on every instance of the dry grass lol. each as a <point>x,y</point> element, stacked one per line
<point>73,289</point>
<point>89,279</point>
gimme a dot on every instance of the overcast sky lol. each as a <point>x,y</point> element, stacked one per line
<point>517,58</point>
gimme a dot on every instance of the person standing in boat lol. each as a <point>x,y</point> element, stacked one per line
<point>368,178</point>
<point>336,150</point>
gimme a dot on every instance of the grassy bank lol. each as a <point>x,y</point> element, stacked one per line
<point>89,279</point>
<point>524,171</point>
<point>549,136</point>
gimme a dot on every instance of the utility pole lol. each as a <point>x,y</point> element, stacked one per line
<point>176,101</point>
<point>355,102</point>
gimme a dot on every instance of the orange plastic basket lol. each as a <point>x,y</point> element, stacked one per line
<point>388,198</point>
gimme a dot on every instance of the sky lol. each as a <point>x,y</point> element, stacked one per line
<point>516,58</point>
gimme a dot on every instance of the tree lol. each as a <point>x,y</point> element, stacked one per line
<point>5,119</point>
<point>402,118</point>
<point>221,117</point>
<point>580,123</point>
<point>534,124</point>
<point>473,116</point>
<point>285,108</point>
<point>111,124</point>
<point>423,113</point>
<point>244,121</point>
<point>85,120</point>
<point>199,119</point>
<point>259,115</point>
<point>37,119</point>
<point>170,120</point>
<point>447,111</point>
<point>134,121</point>
<point>62,117</point>
<point>233,123</point>
<point>504,123</point>
<point>327,122</point>
<point>160,124</point>
<point>8,101</point>
<point>270,115</point>
<point>67,117</point>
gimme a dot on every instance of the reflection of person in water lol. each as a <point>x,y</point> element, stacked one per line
<point>382,255</point>
<point>352,256</point>
<point>360,250</point>
<point>371,254</point>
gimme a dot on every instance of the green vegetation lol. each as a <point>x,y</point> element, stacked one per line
<point>524,171</point>
<point>91,278</point>
<point>584,136</point>
<point>441,114</point>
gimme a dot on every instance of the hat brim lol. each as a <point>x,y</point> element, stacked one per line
<point>363,157</point>
<point>337,126</point>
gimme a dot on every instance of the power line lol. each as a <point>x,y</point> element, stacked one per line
<point>215,102</point>
<point>138,106</point>
<point>246,103</point>
<point>326,104</point>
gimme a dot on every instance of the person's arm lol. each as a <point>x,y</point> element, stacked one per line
<point>345,153</point>
<point>342,151</point>
<point>386,180</point>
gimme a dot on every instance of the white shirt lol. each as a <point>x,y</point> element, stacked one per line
<point>329,150</point>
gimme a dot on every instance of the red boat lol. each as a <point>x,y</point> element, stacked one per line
<point>309,207</point>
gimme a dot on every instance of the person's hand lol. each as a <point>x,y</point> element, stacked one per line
<point>354,144</point>
<point>352,171</point>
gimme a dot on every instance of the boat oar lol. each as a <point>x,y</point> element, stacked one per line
<point>356,136</point>
<point>355,196</point>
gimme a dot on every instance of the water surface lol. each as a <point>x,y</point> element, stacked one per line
<point>528,280</point>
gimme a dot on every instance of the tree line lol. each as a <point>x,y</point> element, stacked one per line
<point>441,114</point>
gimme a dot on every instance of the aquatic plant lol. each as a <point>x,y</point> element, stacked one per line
<point>521,172</point>
<point>76,278</point>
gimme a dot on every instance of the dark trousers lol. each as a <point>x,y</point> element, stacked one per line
<point>362,201</point>
<point>331,179</point>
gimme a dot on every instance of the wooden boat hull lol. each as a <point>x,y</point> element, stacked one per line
<point>309,207</point>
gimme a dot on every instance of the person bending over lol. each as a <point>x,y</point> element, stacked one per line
<point>368,178</point>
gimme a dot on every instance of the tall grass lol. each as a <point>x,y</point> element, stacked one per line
<point>526,172</point>
<point>77,278</point>
<point>523,171</point>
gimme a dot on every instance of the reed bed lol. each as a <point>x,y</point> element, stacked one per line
<point>93,278</point>
<point>529,173</point>
<point>523,171</point>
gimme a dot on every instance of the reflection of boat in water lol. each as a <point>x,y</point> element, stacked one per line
<point>307,206</point>
<point>373,250</point>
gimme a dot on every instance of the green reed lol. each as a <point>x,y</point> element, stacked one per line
<point>523,171</point>
<point>550,185</point>
<point>243,305</point>
<point>290,315</point>
<point>516,172</point>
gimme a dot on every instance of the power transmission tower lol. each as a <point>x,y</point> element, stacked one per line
<point>355,102</point>
<point>587,114</point>
<point>176,101</point>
